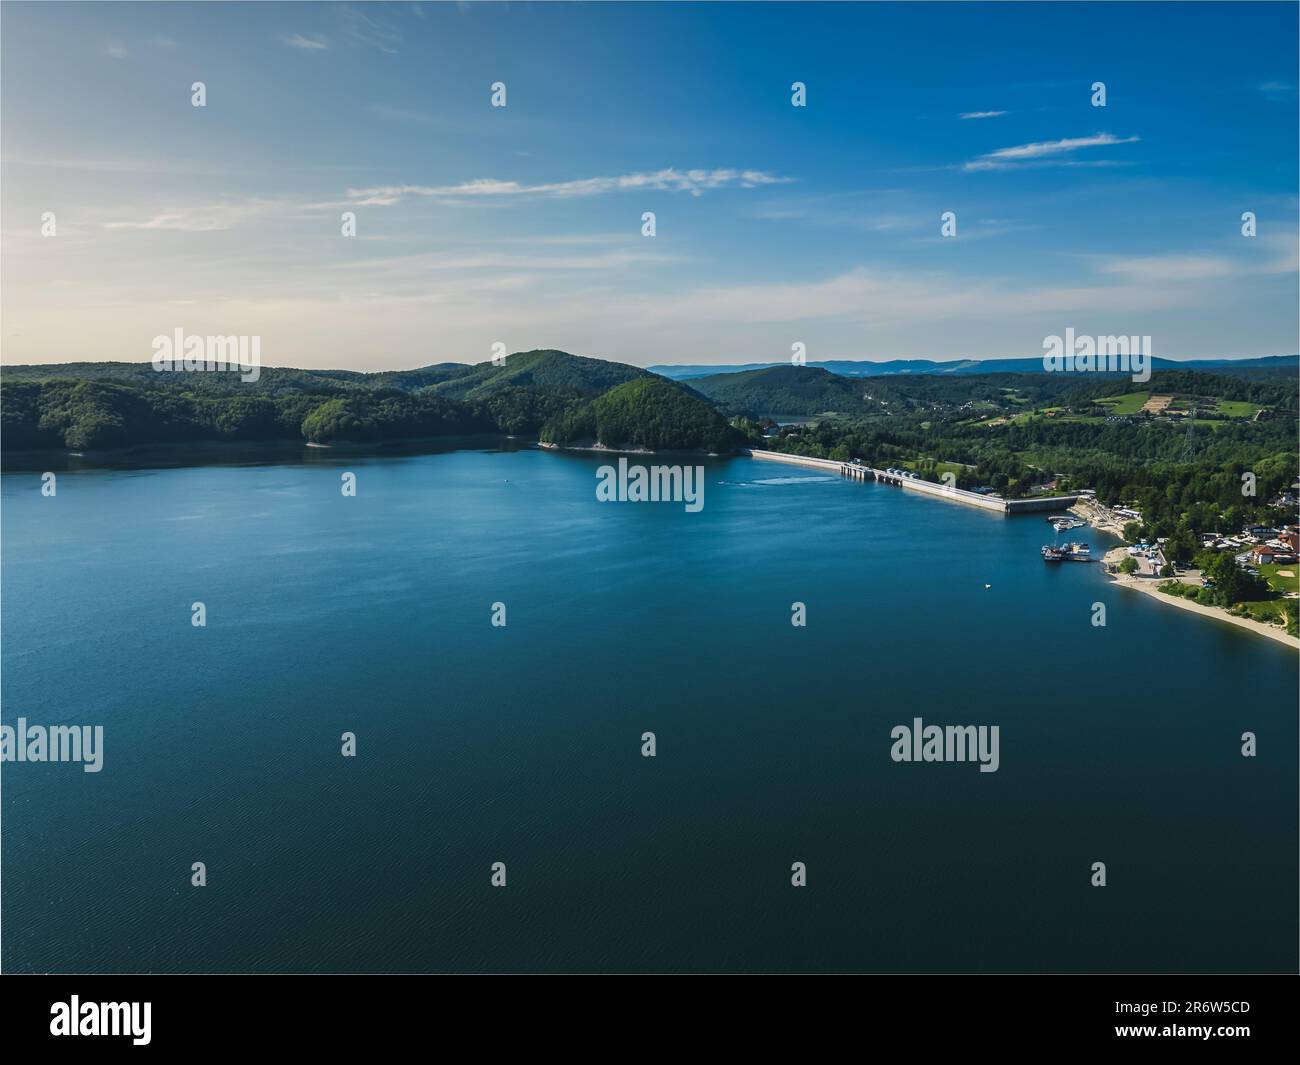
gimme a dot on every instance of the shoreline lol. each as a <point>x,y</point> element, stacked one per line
<point>204,453</point>
<point>1098,517</point>
<point>603,449</point>
<point>1151,587</point>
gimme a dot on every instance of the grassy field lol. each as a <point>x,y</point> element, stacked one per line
<point>1266,610</point>
<point>1279,583</point>
<point>1129,403</point>
<point>1231,408</point>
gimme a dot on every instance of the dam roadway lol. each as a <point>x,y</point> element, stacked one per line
<point>858,472</point>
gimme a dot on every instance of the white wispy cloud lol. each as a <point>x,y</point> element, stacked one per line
<point>368,30</point>
<point>199,218</point>
<point>115,49</point>
<point>1162,268</point>
<point>175,222</point>
<point>696,182</point>
<point>981,114</point>
<point>876,296</point>
<point>1269,255</point>
<point>1277,89</point>
<point>1282,248</point>
<point>1006,158</point>
<point>313,43</point>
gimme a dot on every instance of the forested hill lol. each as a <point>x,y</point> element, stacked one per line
<point>92,406</point>
<point>541,371</point>
<point>785,390</point>
<point>553,370</point>
<point>808,390</point>
<point>650,413</point>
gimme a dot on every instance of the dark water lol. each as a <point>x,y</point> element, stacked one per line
<point>522,744</point>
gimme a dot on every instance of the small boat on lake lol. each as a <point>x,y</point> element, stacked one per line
<point>1067,553</point>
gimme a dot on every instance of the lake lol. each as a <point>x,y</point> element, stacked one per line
<point>521,743</point>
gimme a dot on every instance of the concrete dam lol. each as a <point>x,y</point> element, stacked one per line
<point>857,472</point>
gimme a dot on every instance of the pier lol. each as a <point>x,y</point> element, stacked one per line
<point>858,472</point>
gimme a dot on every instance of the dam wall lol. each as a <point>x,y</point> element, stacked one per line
<point>858,472</point>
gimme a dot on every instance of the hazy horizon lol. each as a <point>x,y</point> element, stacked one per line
<point>739,364</point>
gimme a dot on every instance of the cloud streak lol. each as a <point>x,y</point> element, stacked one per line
<point>695,182</point>
<point>201,218</point>
<point>1037,152</point>
<point>1157,269</point>
<point>311,44</point>
<point>373,32</point>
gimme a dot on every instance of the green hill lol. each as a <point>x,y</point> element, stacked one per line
<point>531,388</point>
<point>650,413</point>
<point>95,414</point>
<point>785,390</point>
<point>540,371</point>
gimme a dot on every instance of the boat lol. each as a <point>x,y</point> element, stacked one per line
<point>1077,552</point>
<point>1053,554</point>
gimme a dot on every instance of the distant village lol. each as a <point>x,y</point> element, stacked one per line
<point>1253,545</point>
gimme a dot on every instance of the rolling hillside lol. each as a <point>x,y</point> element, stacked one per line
<point>784,390</point>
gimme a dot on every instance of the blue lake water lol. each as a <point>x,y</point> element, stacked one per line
<point>479,744</point>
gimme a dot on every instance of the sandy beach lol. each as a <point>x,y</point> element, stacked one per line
<point>1151,587</point>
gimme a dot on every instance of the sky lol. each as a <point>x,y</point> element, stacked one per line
<point>522,225</point>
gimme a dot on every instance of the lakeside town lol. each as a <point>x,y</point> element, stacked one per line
<point>1263,556</point>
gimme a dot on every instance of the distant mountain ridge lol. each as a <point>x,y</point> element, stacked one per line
<point>865,368</point>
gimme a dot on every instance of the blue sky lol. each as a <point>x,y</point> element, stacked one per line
<point>522,225</point>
